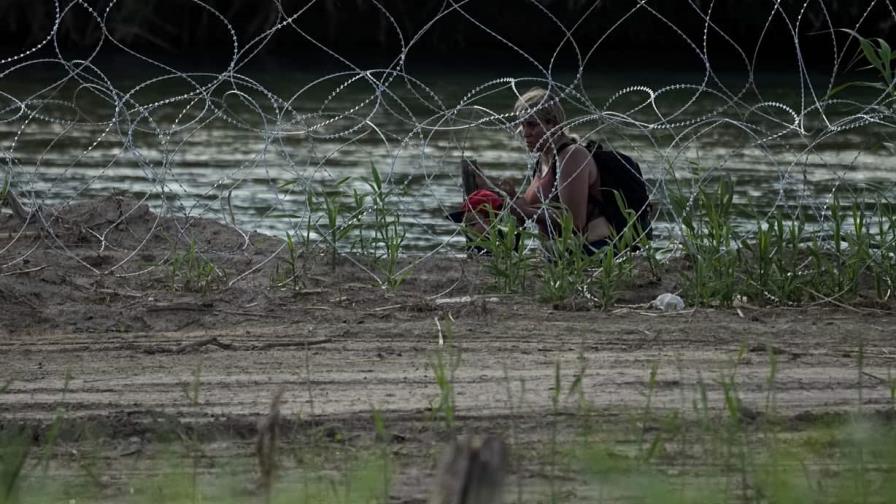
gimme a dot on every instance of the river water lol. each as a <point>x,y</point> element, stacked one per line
<point>250,147</point>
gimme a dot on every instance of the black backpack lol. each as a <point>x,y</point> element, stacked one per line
<point>621,180</point>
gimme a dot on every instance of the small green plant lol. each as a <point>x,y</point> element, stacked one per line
<point>311,221</point>
<point>614,269</point>
<point>758,255</point>
<point>770,398</point>
<point>190,271</point>
<point>574,267</point>
<point>444,362</point>
<point>785,259</point>
<point>859,242</point>
<point>891,385</point>
<point>879,55</point>
<point>883,265</point>
<point>647,414</point>
<point>708,240</point>
<point>839,276</point>
<point>388,232</point>
<point>383,436</point>
<point>577,389</point>
<point>788,258</point>
<point>840,259</point>
<point>88,458</point>
<point>507,264</point>
<point>341,220</point>
<point>770,261</point>
<point>288,271</point>
<point>55,428</point>
<point>362,243</point>
<point>567,271</point>
<point>556,393</point>
<point>191,442</point>
<point>15,448</point>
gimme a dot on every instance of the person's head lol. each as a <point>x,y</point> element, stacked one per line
<point>540,114</point>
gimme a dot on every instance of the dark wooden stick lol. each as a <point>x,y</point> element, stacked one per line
<point>283,344</point>
<point>214,341</point>
<point>195,345</point>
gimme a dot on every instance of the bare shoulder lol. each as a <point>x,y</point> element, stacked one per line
<point>575,161</point>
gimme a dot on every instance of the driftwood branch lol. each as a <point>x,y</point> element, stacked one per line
<point>22,235</point>
<point>196,345</point>
<point>193,346</point>
<point>19,272</point>
<point>283,344</point>
<point>16,205</point>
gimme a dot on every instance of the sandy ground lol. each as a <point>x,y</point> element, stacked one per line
<point>90,325</point>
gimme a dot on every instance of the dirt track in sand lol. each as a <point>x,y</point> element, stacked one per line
<point>351,368</point>
<point>93,327</point>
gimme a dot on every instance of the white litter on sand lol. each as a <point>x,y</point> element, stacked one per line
<point>667,302</point>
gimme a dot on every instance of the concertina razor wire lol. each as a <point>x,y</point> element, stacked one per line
<point>301,152</point>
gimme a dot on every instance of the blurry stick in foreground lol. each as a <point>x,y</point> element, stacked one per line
<point>266,445</point>
<point>472,472</point>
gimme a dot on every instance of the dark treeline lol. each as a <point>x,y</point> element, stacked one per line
<point>361,26</point>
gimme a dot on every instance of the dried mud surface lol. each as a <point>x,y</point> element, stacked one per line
<point>90,325</point>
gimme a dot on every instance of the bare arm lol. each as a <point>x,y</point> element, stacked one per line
<point>527,204</point>
<point>544,216</point>
<point>576,166</point>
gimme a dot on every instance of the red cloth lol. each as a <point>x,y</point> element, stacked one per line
<point>483,198</point>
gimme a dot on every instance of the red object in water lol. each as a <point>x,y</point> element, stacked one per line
<point>483,198</point>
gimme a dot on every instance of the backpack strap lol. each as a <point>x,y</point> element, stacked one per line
<point>557,150</point>
<point>591,145</point>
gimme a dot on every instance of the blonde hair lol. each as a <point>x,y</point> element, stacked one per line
<point>541,104</point>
